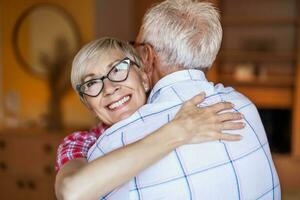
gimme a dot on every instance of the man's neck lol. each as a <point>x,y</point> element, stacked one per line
<point>163,71</point>
<point>178,79</point>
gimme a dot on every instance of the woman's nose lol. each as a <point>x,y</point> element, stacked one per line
<point>109,87</point>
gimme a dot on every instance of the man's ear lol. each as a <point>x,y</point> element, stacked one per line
<point>148,56</point>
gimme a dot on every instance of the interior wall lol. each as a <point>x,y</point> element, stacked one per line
<point>141,7</point>
<point>116,18</point>
<point>1,66</point>
<point>31,92</point>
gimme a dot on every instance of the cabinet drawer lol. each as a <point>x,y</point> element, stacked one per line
<point>34,155</point>
<point>26,187</point>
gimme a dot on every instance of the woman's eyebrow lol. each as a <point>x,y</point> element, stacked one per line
<point>114,63</point>
<point>91,75</point>
<point>109,66</point>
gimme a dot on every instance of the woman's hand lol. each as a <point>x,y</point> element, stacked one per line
<point>194,124</point>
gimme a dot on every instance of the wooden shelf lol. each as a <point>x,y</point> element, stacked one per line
<point>242,21</point>
<point>268,97</point>
<point>257,56</point>
<point>278,21</point>
<point>269,81</point>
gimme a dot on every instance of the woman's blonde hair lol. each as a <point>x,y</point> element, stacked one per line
<point>93,50</point>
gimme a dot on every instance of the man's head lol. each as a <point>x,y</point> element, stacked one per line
<point>179,34</point>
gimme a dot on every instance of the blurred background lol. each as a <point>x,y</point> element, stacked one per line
<point>38,39</point>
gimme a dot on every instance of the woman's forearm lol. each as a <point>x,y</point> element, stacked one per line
<point>92,180</point>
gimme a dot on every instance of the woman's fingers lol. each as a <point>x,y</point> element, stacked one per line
<point>229,116</point>
<point>199,98</point>
<point>232,125</point>
<point>229,137</point>
<point>216,136</point>
<point>201,124</point>
<point>218,107</point>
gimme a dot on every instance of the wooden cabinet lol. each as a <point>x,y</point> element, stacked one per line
<point>259,51</point>
<point>26,187</point>
<point>27,165</point>
<point>260,57</point>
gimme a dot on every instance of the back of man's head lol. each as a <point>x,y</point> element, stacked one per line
<point>184,33</point>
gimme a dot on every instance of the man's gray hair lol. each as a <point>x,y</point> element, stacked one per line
<point>95,49</point>
<point>183,32</point>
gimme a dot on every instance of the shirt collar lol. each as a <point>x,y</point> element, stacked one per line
<point>175,77</point>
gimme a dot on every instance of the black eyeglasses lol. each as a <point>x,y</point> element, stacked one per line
<point>118,73</point>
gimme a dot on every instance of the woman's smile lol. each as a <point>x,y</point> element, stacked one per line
<point>120,103</point>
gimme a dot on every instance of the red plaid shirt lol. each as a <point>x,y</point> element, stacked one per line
<point>77,145</point>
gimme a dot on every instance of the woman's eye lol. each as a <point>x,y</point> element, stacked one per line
<point>116,69</point>
<point>90,84</point>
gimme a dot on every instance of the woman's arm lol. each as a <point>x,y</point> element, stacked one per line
<point>78,179</point>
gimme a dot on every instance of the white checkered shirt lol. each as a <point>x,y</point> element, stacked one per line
<point>212,170</point>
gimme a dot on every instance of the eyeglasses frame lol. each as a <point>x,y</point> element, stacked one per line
<point>78,87</point>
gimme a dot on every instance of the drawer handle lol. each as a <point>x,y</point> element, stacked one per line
<point>20,184</point>
<point>3,166</point>
<point>2,144</point>
<point>31,185</point>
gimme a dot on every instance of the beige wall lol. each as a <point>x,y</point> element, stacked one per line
<point>1,66</point>
<point>116,18</point>
<point>32,91</point>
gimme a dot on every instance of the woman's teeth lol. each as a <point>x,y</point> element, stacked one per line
<point>119,103</point>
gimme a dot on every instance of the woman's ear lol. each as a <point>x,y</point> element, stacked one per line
<point>145,81</point>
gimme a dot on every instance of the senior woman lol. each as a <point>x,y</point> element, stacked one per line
<point>108,76</point>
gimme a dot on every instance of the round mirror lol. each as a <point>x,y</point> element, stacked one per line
<point>45,38</point>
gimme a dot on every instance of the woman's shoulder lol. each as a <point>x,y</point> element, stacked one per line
<point>93,132</point>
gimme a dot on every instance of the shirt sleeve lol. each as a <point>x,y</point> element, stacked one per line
<point>77,145</point>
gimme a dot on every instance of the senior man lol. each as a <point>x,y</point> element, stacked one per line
<point>180,39</point>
